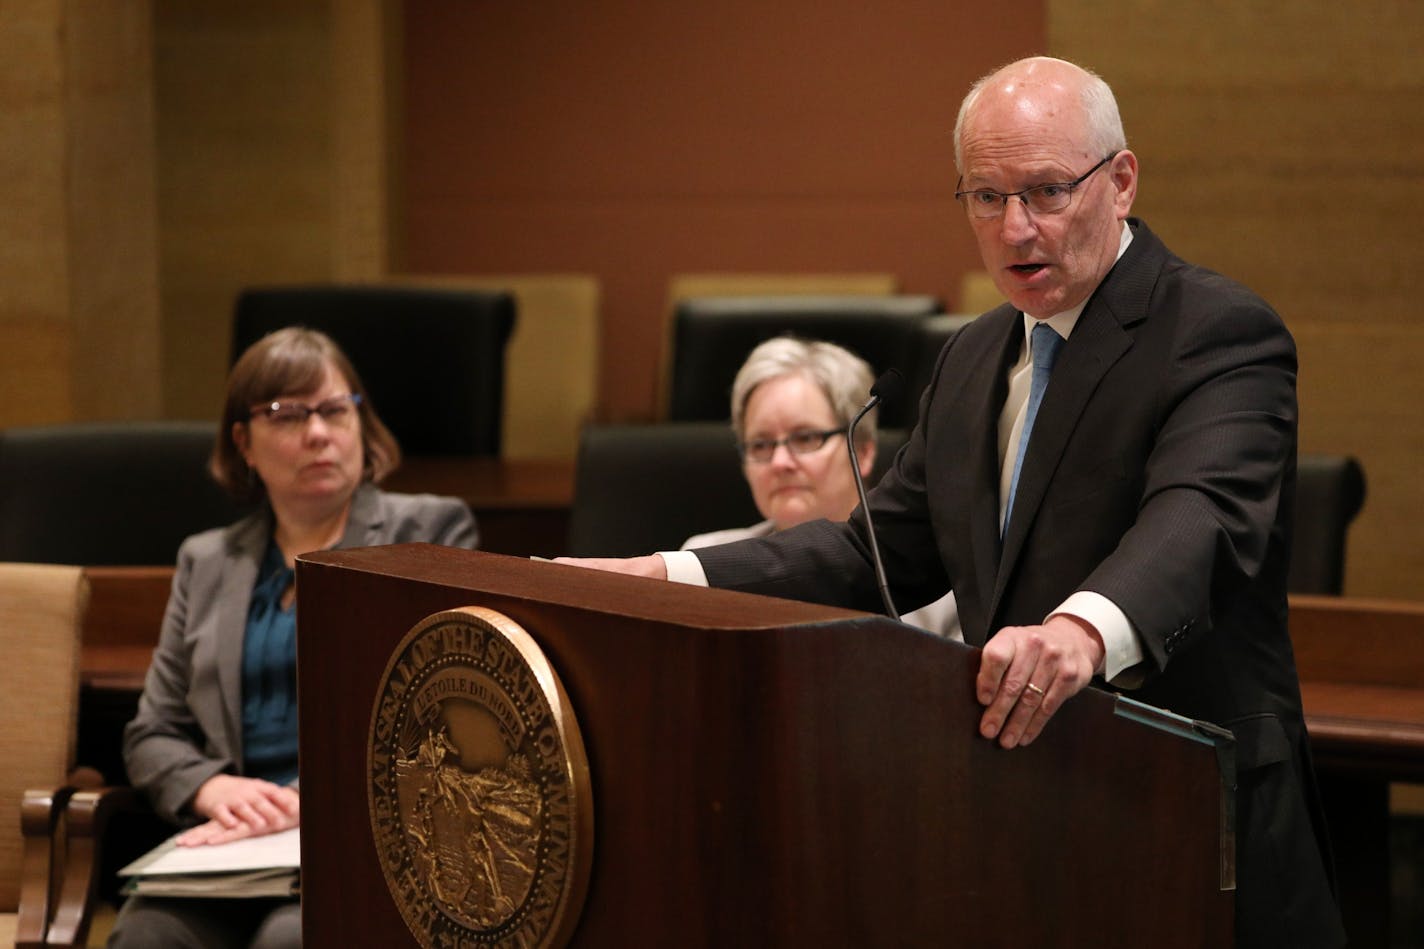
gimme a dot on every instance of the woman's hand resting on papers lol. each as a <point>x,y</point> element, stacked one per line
<point>241,807</point>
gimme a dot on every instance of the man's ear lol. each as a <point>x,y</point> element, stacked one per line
<point>1124,178</point>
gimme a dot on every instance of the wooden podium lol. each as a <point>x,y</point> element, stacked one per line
<point>772,773</point>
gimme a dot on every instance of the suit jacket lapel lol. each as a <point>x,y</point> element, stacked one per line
<point>1099,340</point>
<point>247,545</point>
<point>363,522</point>
<point>990,379</point>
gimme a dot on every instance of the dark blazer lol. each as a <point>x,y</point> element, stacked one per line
<point>1161,475</point>
<point>189,722</point>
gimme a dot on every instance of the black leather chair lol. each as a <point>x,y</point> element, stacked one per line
<point>1329,492</point>
<point>712,337</point>
<point>644,488</point>
<point>930,336</point>
<point>107,493</point>
<point>432,359</point>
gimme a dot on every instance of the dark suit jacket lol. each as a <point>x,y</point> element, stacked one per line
<point>1161,475</point>
<point>189,722</point>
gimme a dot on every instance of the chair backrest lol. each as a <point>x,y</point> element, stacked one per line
<point>1329,492</point>
<point>41,612</point>
<point>931,335</point>
<point>712,337</point>
<point>643,488</point>
<point>107,493</point>
<point>432,359</point>
<point>551,362</point>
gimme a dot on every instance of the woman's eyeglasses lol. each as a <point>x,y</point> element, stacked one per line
<point>339,411</point>
<point>801,442</point>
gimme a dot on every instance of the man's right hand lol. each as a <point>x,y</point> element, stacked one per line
<point>650,566</point>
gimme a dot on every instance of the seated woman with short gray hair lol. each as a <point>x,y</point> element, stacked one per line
<point>792,403</point>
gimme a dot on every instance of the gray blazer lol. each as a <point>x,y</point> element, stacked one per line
<point>189,722</point>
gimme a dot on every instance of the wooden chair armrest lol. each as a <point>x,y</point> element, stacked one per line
<point>86,821</point>
<point>40,856</point>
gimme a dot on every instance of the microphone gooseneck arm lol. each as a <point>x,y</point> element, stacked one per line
<point>885,386</point>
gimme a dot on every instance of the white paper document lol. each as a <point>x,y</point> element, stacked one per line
<point>254,866</point>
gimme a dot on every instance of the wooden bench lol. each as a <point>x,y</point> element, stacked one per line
<point>120,630</point>
<point>1361,665</point>
<point>121,627</point>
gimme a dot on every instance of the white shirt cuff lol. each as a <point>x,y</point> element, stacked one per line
<point>683,567</point>
<point>1122,648</point>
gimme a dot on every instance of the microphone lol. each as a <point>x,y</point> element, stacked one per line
<point>886,389</point>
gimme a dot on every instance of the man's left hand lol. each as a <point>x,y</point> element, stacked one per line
<point>1028,672</point>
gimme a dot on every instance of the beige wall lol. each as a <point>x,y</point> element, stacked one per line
<point>1283,144</point>
<point>78,276</point>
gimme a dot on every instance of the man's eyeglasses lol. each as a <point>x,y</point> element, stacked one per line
<point>761,450</point>
<point>339,411</point>
<point>1040,199</point>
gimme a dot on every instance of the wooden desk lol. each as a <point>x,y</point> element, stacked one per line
<point>1361,665</point>
<point>521,506</point>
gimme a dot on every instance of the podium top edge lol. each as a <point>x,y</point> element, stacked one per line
<point>595,590</point>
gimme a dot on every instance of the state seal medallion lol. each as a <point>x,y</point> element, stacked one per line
<point>478,786</point>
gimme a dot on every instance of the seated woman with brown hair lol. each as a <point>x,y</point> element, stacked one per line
<point>214,743</point>
<point>792,403</point>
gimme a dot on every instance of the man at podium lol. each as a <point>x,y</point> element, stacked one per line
<point>1103,474</point>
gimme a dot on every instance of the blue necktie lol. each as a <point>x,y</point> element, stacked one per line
<point>1045,343</point>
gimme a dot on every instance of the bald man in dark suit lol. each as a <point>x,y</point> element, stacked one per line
<point>1140,540</point>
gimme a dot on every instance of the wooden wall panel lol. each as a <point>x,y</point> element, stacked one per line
<point>365,89</point>
<point>244,104</point>
<point>274,163</point>
<point>34,362</point>
<point>1283,144</point>
<point>78,278</point>
<point>635,141</point>
<point>113,226</point>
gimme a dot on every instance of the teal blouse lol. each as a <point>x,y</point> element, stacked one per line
<point>269,675</point>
